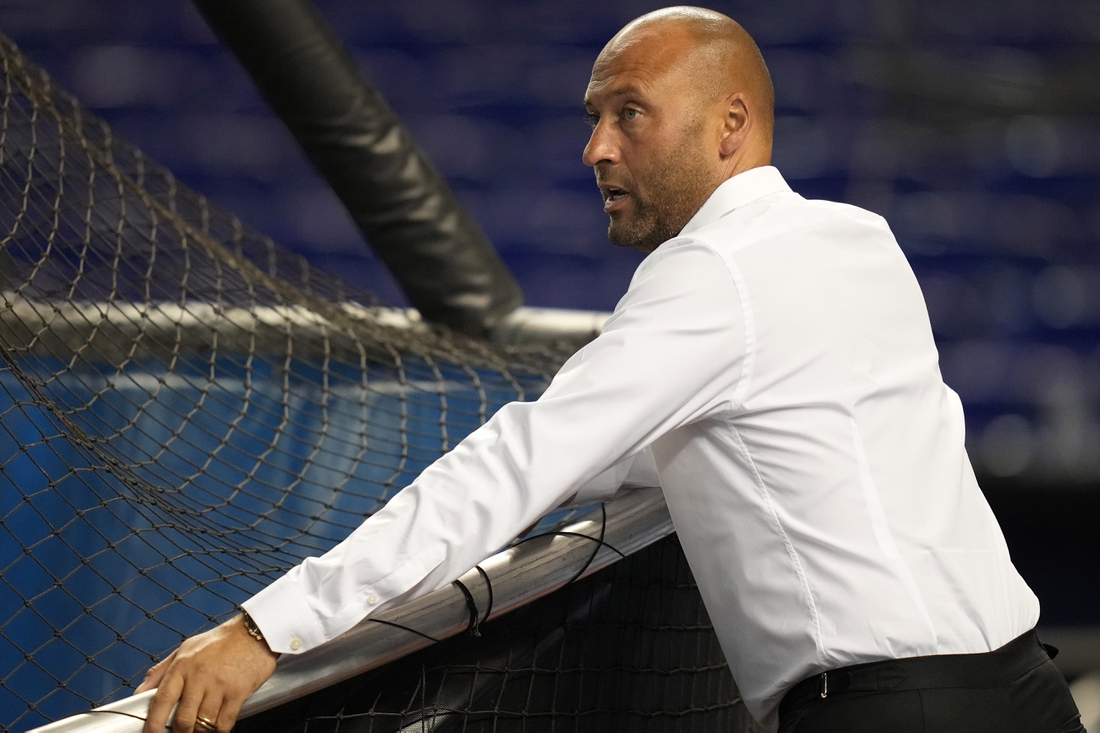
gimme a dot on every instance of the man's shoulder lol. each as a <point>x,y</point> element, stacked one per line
<point>781,215</point>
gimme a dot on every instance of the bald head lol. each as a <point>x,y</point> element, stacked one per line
<point>715,55</point>
<point>680,100</point>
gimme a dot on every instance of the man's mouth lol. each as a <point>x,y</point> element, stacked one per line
<point>612,196</point>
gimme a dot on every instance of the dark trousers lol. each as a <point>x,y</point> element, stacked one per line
<point>1014,689</point>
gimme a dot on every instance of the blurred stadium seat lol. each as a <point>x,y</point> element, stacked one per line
<point>972,127</point>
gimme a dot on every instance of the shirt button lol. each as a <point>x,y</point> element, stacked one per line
<point>372,599</point>
<point>295,644</point>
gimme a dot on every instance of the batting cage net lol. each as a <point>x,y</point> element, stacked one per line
<point>186,411</point>
<point>629,648</point>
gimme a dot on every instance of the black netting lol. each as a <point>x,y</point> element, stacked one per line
<point>630,648</point>
<point>186,410</point>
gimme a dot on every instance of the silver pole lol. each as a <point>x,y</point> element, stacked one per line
<point>518,576</point>
<point>104,328</point>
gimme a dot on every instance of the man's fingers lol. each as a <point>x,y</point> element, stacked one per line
<point>227,716</point>
<point>187,712</point>
<point>168,692</point>
<point>231,709</point>
<point>227,663</point>
<point>155,673</point>
<point>208,720</point>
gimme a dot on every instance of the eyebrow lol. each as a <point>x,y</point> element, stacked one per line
<point>628,90</point>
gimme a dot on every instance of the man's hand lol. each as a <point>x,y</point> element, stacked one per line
<point>210,675</point>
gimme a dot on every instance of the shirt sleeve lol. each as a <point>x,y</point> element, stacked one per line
<point>634,472</point>
<point>669,355</point>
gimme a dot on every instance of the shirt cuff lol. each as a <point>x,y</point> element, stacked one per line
<point>284,618</point>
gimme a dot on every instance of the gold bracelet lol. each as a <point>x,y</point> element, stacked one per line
<point>251,627</point>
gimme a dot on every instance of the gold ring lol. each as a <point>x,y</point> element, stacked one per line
<point>207,722</point>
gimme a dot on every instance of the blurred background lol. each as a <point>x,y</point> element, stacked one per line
<point>972,127</point>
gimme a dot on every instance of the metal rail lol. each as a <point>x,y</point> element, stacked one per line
<point>106,327</point>
<point>518,575</point>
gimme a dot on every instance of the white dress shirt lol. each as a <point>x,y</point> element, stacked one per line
<point>777,362</point>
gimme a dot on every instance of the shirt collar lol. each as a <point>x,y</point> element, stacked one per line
<point>742,189</point>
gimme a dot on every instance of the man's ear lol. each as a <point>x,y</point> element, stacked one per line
<point>735,130</point>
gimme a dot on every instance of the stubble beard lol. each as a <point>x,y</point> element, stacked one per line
<point>675,189</point>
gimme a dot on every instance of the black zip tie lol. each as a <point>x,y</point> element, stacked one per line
<point>489,586</point>
<point>471,605</point>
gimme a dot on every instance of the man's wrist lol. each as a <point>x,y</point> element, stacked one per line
<point>251,627</point>
<point>253,630</point>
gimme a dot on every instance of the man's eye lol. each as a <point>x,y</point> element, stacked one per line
<point>629,113</point>
<point>592,119</point>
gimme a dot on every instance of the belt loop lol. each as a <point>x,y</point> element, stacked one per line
<point>824,685</point>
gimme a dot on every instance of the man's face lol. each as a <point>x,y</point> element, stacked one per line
<point>648,142</point>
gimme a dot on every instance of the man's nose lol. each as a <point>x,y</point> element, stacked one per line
<point>601,147</point>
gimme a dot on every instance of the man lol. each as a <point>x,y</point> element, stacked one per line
<point>773,358</point>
